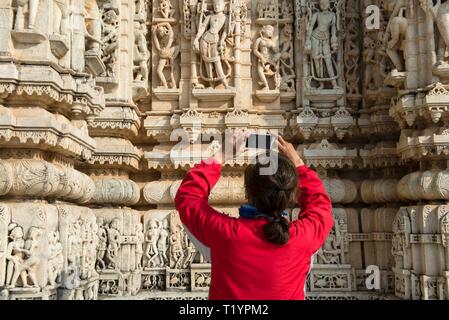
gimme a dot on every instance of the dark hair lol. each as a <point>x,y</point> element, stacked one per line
<point>271,194</point>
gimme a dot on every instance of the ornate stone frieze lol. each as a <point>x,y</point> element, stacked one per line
<point>40,179</point>
<point>105,86</point>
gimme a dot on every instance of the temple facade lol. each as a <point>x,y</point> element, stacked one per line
<point>95,93</point>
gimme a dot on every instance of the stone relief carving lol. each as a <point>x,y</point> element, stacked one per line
<point>287,67</point>
<point>210,44</point>
<point>333,249</point>
<point>93,27</point>
<point>141,53</point>
<point>55,260</point>
<point>266,50</point>
<point>164,42</point>
<point>439,13</point>
<point>109,39</point>
<point>32,6</point>
<point>166,9</point>
<point>394,38</point>
<point>366,108</point>
<point>113,243</point>
<point>101,245</point>
<point>322,43</point>
<point>266,10</point>
<point>23,256</point>
<point>157,239</point>
<point>61,12</point>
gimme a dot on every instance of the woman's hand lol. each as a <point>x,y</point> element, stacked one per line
<point>217,152</point>
<point>287,149</point>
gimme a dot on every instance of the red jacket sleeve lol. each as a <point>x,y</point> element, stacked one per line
<point>315,220</point>
<point>191,201</point>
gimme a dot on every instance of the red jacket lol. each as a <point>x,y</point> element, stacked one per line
<point>244,265</point>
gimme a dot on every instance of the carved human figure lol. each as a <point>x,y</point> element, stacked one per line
<point>190,252</point>
<point>29,267</point>
<point>266,9</point>
<point>440,14</point>
<point>369,57</point>
<point>151,238</point>
<point>92,25</point>
<point>15,255</point>
<point>266,50</point>
<point>109,40</point>
<point>141,53</point>
<point>400,241</point>
<point>61,15</point>
<point>114,242</point>
<point>166,9</point>
<point>163,40</point>
<point>286,9</point>
<point>211,46</point>
<point>321,43</point>
<point>394,37</point>
<point>331,249</point>
<point>33,5</point>
<point>162,243</point>
<point>177,250</point>
<point>71,244</point>
<point>77,242</point>
<point>90,241</point>
<point>102,244</point>
<point>56,259</point>
<point>140,238</point>
<point>287,67</point>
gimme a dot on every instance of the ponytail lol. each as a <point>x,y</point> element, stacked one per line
<point>271,195</point>
<point>277,231</point>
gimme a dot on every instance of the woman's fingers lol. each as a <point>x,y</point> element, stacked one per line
<point>281,140</point>
<point>282,148</point>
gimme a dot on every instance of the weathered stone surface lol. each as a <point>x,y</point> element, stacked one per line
<point>93,95</point>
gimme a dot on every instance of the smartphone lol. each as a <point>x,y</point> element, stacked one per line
<point>260,141</point>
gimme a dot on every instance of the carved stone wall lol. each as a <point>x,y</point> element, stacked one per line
<point>91,92</point>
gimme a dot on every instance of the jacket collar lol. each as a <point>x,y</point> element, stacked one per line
<point>248,211</point>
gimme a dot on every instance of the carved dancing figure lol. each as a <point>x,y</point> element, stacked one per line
<point>140,238</point>
<point>440,14</point>
<point>166,9</point>
<point>110,41</point>
<point>92,249</point>
<point>151,239</point>
<point>56,258</point>
<point>93,26</point>
<point>266,50</point>
<point>141,53</point>
<point>163,39</point>
<point>114,242</point>
<point>287,67</point>
<point>190,252</point>
<point>394,37</point>
<point>329,252</point>
<point>162,243</point>
<point>33,258</point>
<point>15,255</point>
<point>102,245</point>
<point>211,46</point>
<point>369,57</point>
<point>177,250</point>
<point>321,43</point>
<point>33,5</point>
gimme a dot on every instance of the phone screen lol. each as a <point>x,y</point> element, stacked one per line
<point>259,141</point>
